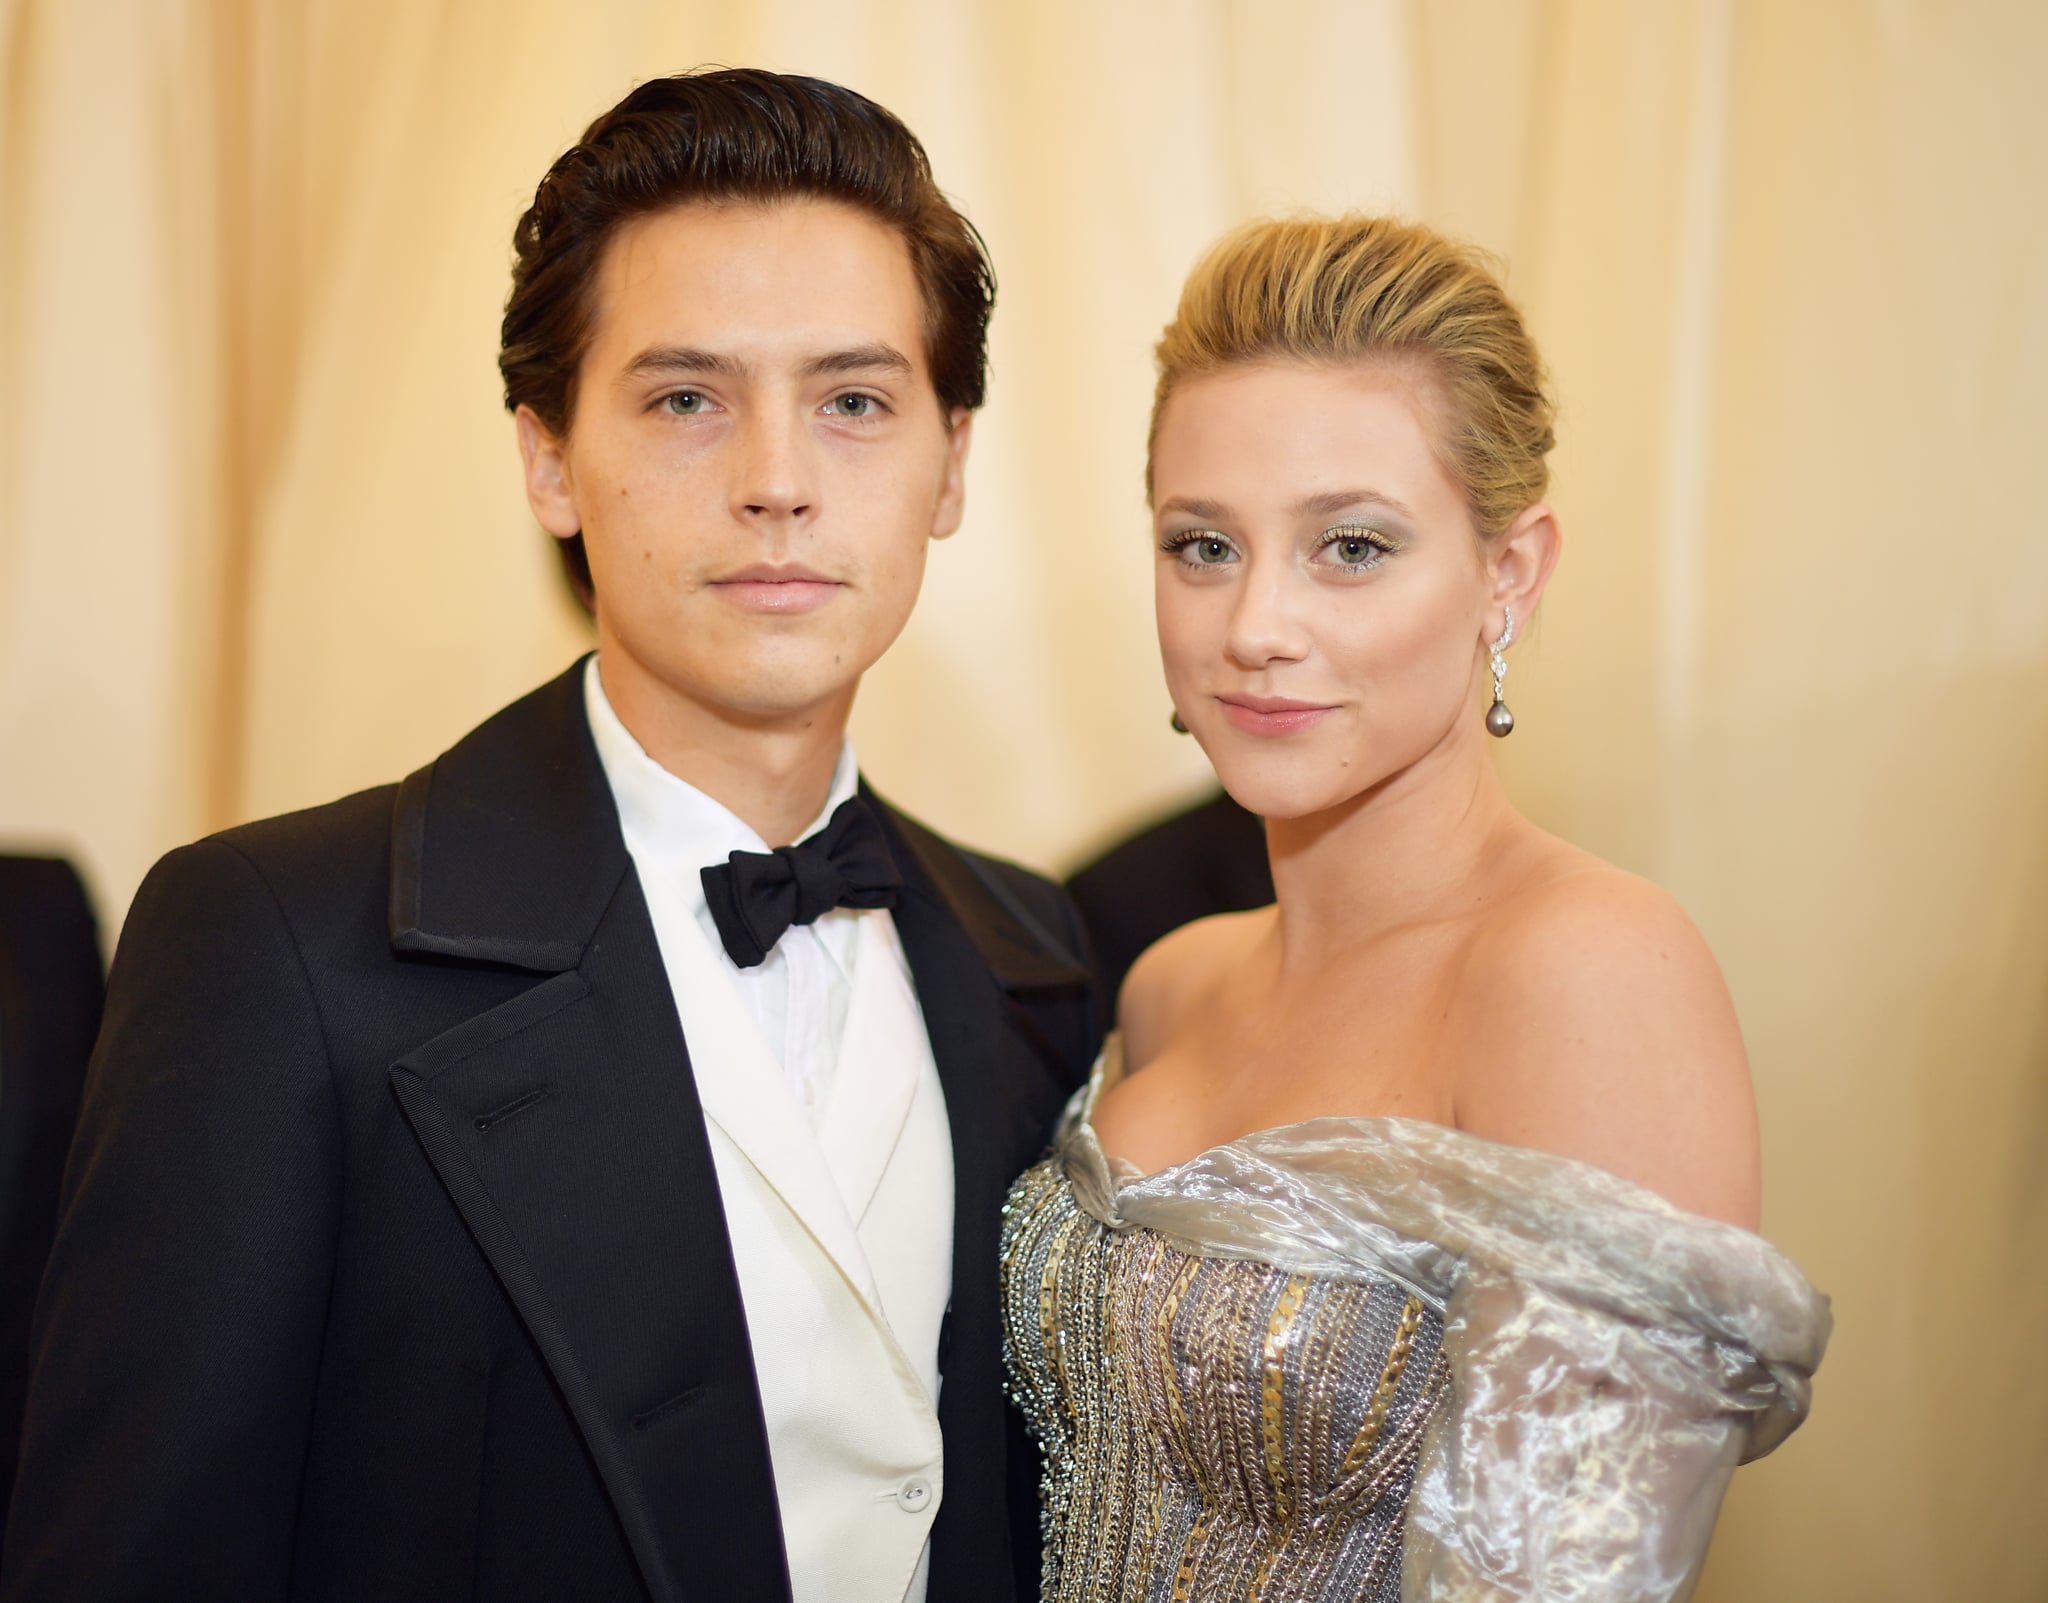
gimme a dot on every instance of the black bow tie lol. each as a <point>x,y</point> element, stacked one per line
<point>755,896</point>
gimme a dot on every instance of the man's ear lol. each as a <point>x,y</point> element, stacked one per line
<point>1520,564</point>
<point>953,489</point>
<point>548,490</point>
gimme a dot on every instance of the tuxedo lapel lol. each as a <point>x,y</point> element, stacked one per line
<point>744,1091</point>
<point>567,1129</point>
<point>876,1080</point>
<point>974,953</point>
<point>977,956</point>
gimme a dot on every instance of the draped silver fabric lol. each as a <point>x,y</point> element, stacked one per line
<point>1380,1358</point>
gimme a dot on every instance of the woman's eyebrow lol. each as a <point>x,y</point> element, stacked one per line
<point>1329,502</point>
<point>1197,507</point>
<point>1323,504</point>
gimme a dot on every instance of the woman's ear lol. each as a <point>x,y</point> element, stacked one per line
<point>548,490</point>
<point>1522,559</point>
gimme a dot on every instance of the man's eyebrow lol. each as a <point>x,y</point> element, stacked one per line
<point>683,359</point>
<point>874,357</point>
<point>1331,502</point>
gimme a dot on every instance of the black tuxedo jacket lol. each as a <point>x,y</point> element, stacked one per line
<point>392,1263</point>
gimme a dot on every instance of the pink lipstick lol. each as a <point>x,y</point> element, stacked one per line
<point>1272,715</point>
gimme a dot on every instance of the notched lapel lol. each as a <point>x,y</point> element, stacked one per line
<point>979,958</point>
<point>528,1008</point>
<point>741,1089</point>
<point>1020,952</point>
<point>506,848</point>
<point>565,1126</point>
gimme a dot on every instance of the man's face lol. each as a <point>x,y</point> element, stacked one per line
<point>756,462</point>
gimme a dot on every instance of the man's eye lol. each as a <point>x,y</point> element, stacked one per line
<point>685,403</point>
<point>853,405</point>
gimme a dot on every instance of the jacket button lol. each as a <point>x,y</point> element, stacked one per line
<point>914,1496</point>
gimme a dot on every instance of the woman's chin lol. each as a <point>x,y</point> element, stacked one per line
<point>1259,790</point>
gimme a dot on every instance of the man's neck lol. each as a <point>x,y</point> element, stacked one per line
<point>773,774</point>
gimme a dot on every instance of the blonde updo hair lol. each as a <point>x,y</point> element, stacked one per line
<point>1336,289</point>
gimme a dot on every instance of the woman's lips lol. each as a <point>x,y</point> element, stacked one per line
<point>1272,715</point>
<point>763,588</point>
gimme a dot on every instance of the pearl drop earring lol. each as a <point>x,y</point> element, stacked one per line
<point>1499,721</point>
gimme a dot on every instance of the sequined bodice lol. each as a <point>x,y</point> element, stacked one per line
<point>1213,1427</point>
<point>1368,1358</point>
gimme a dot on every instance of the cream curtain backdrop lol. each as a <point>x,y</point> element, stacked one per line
<point>261,537</point>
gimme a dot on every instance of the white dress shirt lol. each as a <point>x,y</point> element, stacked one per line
<point>828,1132</point>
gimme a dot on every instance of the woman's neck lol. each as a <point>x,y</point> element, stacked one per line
<point>1413,849</point>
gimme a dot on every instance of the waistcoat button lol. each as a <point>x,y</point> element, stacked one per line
<point>914,1496</point>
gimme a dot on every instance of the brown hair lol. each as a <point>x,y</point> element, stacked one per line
<point>730,134</point>
<point>1324,289</point>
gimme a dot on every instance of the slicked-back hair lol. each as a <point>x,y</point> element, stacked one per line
<point>1358,287</point>
<point>730,135</point>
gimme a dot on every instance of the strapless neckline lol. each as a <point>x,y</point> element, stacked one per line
<point>1110,1068</point>
<point>1203,1351</point>
<point>1422,1203</point>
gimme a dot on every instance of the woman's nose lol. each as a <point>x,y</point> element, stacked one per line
<point>1264,628</point>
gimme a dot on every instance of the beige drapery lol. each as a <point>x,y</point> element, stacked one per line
<point>261,539</point>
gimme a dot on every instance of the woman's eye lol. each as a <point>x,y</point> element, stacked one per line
<point>684,403</point>
<point>853,405</point>
<point>1207,550</point>
<point>1353,550</point>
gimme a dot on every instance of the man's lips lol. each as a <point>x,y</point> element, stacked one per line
<point>767,587</point>
<point>1272,715</point>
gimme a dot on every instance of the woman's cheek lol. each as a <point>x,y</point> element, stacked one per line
<point>1184,639</point>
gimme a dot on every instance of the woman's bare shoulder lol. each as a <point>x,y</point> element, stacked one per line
<point>1174,971</point>
<point>1594,1023</point>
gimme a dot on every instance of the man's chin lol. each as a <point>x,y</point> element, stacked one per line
<point>769,701</point>
<point>734,687</point>
<point>790,716</point>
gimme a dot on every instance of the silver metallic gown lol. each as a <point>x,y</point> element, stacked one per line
<point>1381,1359</point>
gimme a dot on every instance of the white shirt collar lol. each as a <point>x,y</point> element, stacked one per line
<point>669,817</point>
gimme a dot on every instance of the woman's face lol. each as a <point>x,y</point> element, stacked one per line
<point>1322,595</point>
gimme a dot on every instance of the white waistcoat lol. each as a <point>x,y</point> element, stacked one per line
<point>842,1232</point>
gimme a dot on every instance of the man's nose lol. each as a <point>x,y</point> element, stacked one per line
<point>773,478</point>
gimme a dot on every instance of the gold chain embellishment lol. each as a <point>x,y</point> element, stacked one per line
<point>1177,1288</point>
<point>1270,1420</point>
<point>1184,1577</point>
<point>1193,1411</point>
<point>1383,1394</point>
